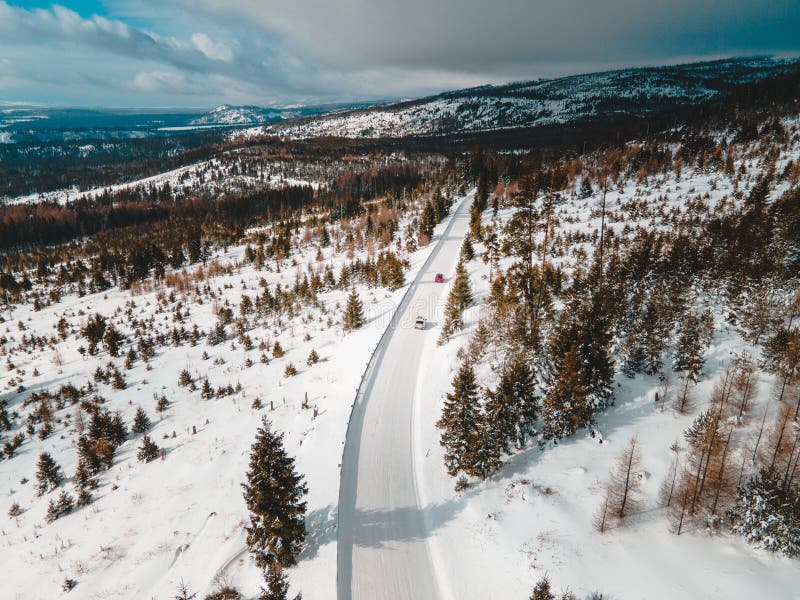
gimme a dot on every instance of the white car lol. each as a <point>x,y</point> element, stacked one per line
<point>420,323</point>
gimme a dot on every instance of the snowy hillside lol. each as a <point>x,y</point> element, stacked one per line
<point>251,115</point>
<point>179,518</point>
<point>537,516</point>
<point>545,102</point>
<point>466,357</point>
<point>242,115</point>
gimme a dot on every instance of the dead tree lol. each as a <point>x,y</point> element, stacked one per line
<point>624,482</point>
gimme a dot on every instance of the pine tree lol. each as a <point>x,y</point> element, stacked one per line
<point>768,515</point>
<point>206,392</point>
<point>461,289</point>
<point>48,474</point>
<point>277,586</point>
<point>58,508</point>
<point>460,423</point>
<point>690,347</point>
<point>566,408</point>
<point>113,339</point>
<point>459,298</point>
<point>467,251</point>
<point>273,493</point>
<point>141,422</point>
<point>353,312</point>
<point>542,590</point>
<point>148,451</point>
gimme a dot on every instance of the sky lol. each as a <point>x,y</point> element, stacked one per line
<point>202,53</point>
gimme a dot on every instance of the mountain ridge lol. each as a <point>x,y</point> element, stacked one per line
<point>640,91</point>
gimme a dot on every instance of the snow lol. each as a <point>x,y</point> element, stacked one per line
<point>210,176</point>
<point>411,535</point>
<point>534,517</point>
<point>382,551</point>
<point>153,524</point>
<point>543,102</point>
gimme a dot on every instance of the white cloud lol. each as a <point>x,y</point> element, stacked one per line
<point>160,82</point>
<point>212,49</point>
<point>268,51</point>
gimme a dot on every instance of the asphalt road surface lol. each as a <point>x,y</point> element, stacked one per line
<point>381,536</point>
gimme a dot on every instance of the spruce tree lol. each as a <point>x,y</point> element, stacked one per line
<point>690,349</point>
<point>460,423</point>
<point>512,408</point>
<point>586,188</point>
<point>148,451</point>
<point>542,590</point>
<point>58,508</point>
<point>141,422</point>
<point>273,493</point>
<point>113,339</point>
<point>461,288</point>
<point>566,408</point>
<point>459,298</point>
<point>48,474</point>
<point>453,320</point>
<point>88,456</point>
<point>277,587</point>
<point>767,514</point>
<point>353,312</point>
<point>93,331</point>
<point>467,251</point>
<point>427,221</point>
<point>206,392</point>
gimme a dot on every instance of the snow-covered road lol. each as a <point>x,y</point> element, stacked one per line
<point>382,532</point>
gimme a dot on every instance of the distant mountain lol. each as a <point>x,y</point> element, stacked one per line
<point>30,124</point>
<point>242,115</point>
<point>632,92</point>
<point>226,114</point>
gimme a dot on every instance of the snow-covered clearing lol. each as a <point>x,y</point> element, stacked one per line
<point>182,517</point>
<point>535,517</point>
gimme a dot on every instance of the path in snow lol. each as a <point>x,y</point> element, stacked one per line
<point>382,531</point>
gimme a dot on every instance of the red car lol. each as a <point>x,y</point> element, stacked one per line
<point>439,278</point>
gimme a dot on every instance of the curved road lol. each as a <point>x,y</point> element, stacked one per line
<point>382,551</point>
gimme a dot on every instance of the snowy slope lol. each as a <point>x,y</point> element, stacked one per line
<point>382,550</point>
<point>181,518</point>
<point>544,102</point>
<point>534,517</point>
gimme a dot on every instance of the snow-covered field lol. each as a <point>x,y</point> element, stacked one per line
<point>209,176</point>
<point>182,517</point>
<point>535,517</point>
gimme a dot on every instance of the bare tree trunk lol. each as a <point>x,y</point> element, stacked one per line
<point>789,469</point>
<point>760,432</point>
<point>601,518</point>
<point>783,419</point>
<point>721,474</point>
<point>626,489</point>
